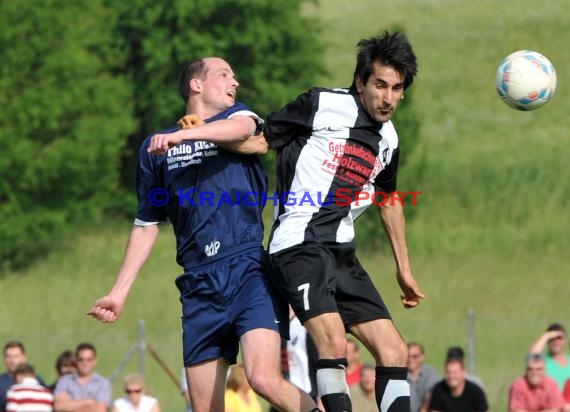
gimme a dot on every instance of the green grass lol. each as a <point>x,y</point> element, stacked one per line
<point>490,232</point>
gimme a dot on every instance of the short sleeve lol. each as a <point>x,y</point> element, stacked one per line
<point>292,121</point>
<point>556,398</point>
<point>516,396</point>
<point>481,404</point>
<point>432,379</point>
<point>241,109</point>
<point>104,394</point>
<point>119,404</point>
<point>436,401</point>
<point>566,392</point>
<point>149,184</point>
<point>387,178</point>
<point>61,385</point>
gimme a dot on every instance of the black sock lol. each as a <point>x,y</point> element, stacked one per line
<point>392,389</point>
<point>337,402</point>
<point>331,381</point>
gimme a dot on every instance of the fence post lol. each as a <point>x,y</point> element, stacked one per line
<point>142,347</point>
<point>471,340</point>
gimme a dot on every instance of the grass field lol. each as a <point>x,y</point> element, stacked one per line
<point>490,232</point>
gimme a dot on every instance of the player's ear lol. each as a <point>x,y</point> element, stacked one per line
<point>195,85</point>
<point>358,84</point>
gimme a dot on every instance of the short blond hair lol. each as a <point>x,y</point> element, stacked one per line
<point>134,378</point>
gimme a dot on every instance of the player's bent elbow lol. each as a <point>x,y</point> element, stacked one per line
<point>253,145</point>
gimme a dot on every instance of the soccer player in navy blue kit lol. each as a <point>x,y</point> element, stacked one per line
<point>225,295</point>
<point>342,142</point>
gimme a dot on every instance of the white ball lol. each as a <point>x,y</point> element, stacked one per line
<point>525,80</point>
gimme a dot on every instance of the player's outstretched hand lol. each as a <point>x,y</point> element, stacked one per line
<point>107,309</point>
<point>412,295</point>
<point>189,121</point>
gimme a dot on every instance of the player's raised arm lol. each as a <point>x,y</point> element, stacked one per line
<point>255,144</point>
<point>235,129</point>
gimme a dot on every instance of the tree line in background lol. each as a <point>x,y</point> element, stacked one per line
<point>84,81</point>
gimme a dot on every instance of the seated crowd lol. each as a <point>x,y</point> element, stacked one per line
<point>544,385</point>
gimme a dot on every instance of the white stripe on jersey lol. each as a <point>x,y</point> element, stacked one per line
<point>327,129</point>
<point>316,167</point>
<point>247,113</point>
<point>139,222</point>
<point>387,145</point>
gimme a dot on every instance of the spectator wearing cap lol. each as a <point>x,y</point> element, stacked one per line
<point>557,359</point>
<point>534,391</point>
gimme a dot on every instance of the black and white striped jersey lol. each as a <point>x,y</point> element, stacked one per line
<point>332,156</point>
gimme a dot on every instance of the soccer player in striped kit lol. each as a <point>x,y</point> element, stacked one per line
<point>342,142</point>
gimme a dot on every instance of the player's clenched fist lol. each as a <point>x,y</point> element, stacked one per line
<point>106,309</point>
<point>189,121</point>
<point>412,295</point>
<point>160,143</point>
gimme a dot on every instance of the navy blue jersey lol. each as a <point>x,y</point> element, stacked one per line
<point>207,193</point>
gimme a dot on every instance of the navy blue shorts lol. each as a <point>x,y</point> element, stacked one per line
<point>222,301</point>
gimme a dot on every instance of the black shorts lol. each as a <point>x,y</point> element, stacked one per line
<point>320,278</point>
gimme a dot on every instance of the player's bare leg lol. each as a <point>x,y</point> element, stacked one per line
<point>261,358</point>
<point>327,331</point>
<point>387,346</point>
<point>207,385</point>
